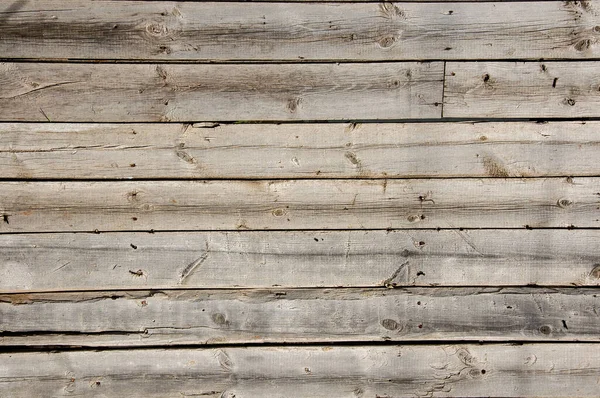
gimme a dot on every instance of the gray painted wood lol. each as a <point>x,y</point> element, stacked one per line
<point>169,317</point>
<point>192,31</point>
<point>299,204</point>
<point>299,259</point>
<point>207,150</point>
<point>162,93</point>
<point>524,89</point>
<point>530,370</point>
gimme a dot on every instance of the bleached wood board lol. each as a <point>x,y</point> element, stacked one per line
<point>60,92</point>
<point>168,317</point>
<point>81,151</point>
<point>522,89</point>
<point>234,31</point>
<point>299,259</point>
<point>299,204</point>
<point>529,370</point>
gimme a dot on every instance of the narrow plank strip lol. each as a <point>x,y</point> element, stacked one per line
<point>302,315</point>
<point>530,370</point>
<point>299,204</point>
<point>527,89</point>
<point>80,151</point>
<point>153,93</point>
<point>168,31</point>
<point>299,259</point>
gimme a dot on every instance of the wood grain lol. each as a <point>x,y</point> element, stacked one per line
<point>525,89</point>
<point>224,31</point>
<point>162,93</point>
<point>165,317</point>
<point>299,204</point>
<point>111,261</point>
<point>530,370</point>
<point>239,151</point>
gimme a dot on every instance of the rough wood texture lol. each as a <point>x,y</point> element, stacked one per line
<point>80,151</point>
<point>302,315</point>
<point>152,93</point>
<point>299,259</point>
<point>525,89</point>
<point>530,370</point>
<point>299,204</point>
<point>166,31</point>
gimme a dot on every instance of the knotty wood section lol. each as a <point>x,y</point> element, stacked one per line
<point>152,93</point>
<point>522,89</point>
<point>530,370</point>
<point>332,150</point>
<point>299,204</point>
<point>166,317</point>
<point>200,31</point>
<point>299,259</point>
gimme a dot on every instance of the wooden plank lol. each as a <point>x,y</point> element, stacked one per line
<point>152,93</point>
<point>224,31</point>
<point>111,261</point>
<point>168,317</point>
<point>81,151</point>
<point>530,370</point>
<point>299,204</point>
<point>524,89</point>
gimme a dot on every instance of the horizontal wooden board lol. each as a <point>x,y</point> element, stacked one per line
<point>162,93</point>
<point>299,259</point>
<point>233,31</point>
<point>207,150</point>
<point>530,370</point>
<point>524,89</point>
<point>303,315</point>
<point>299,204</point>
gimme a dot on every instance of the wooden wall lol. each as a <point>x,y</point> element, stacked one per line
<point>299,199</point>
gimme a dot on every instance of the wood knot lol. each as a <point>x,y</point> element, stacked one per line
<point>569,101</point>
<point>564,203</point>
<point>293,104</point>
<point>595,272</point>
<point>278,212</point>
<point>583,45</point>
<point>387,42</point>
<point>545,329</point>
<point>219,319</point>
<point>157,30</point>
<point>390,324</point>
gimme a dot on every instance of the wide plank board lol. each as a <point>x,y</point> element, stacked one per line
<point>167,317</point>
<point>523,89</point>
<point>465,370</point>
<point>240,151</point>
<point>234,31</point>
<point>161,93</point>
<point>299,204</point>
<point>253,259</point>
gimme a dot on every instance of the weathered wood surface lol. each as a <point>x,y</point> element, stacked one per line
<point>302,315</point>
<point>523,89</point>
<point>299,259</point>
<point>299,204</point>
<point>150,93</point>
<point>192,31</point>
<point>530,370</point>
<point>206,150</point>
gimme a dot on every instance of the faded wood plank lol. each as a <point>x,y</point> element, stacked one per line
<point>525,89</point>
<point>168,317</point>
<point>153,93</point>
<point>80,151</point>
<point>530,370</point>
<point>299,259</point>
<point>169,31</point>
<point>299,204</point>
